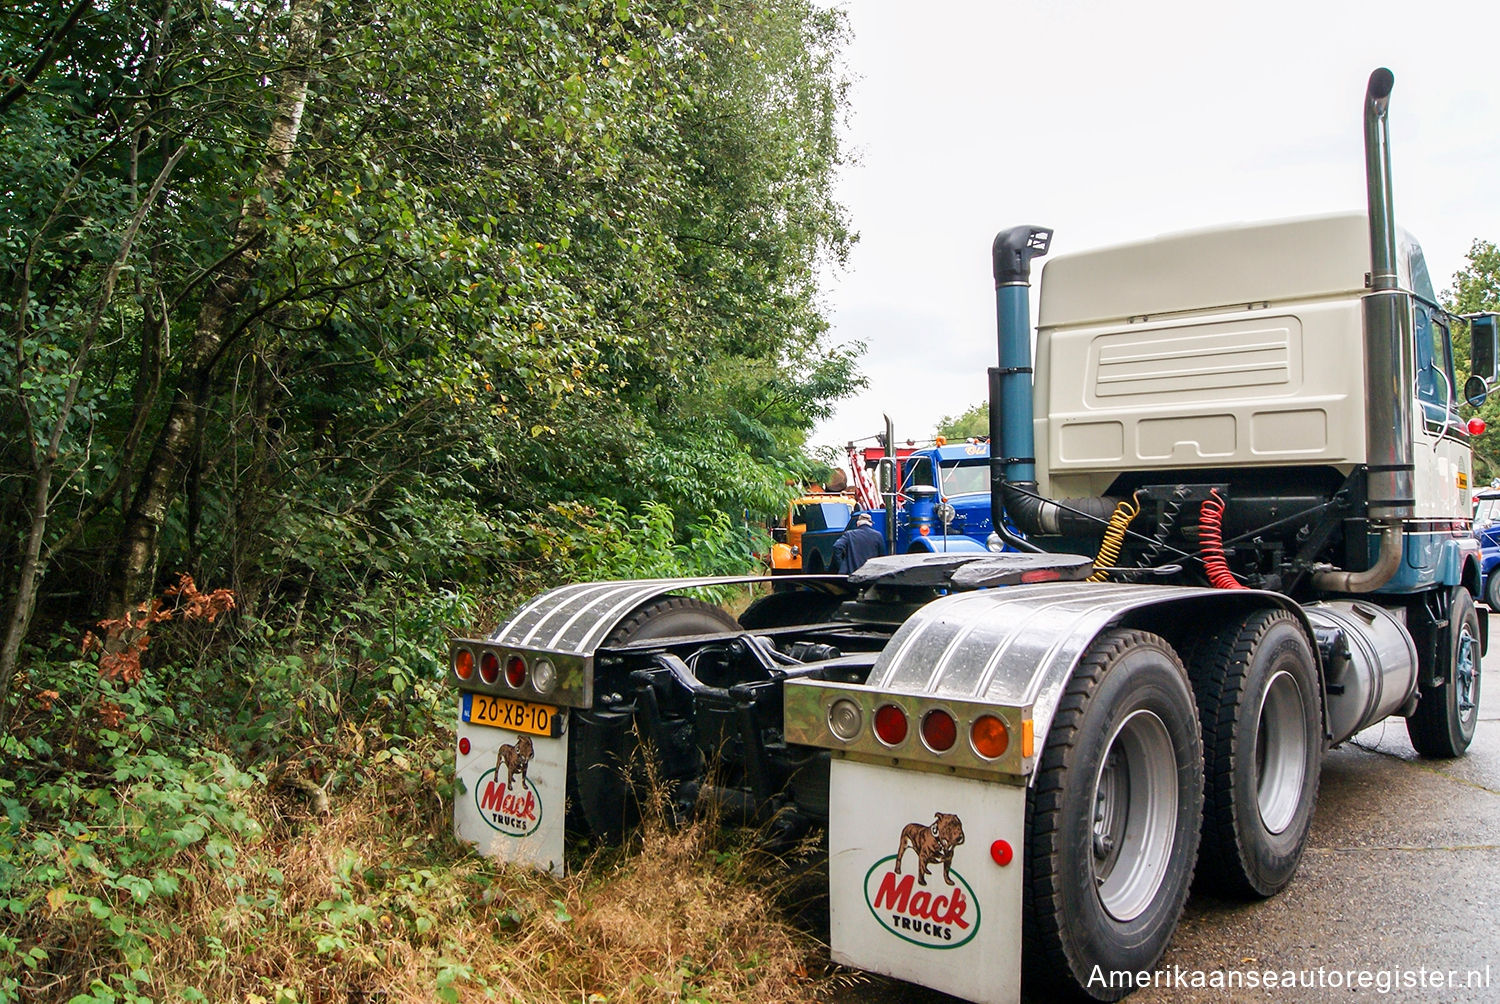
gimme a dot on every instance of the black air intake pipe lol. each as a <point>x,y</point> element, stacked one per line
<point>1013,485</point>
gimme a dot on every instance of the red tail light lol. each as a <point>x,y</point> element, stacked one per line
<point>890,725</point>
<point>939,731</point>
<point>1476,426</point>
<point>489,667</point>
<point>463,663</point>
<point>515,671</point>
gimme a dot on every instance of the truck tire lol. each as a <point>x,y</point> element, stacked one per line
<point>789,607</point>
<point>1258,701</point>
<point>1443,724</point>
<point>603,754</point>
<point>1492,589</point>
<point>1112,819</point>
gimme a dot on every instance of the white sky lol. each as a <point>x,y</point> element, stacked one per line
<point>1113,120</point>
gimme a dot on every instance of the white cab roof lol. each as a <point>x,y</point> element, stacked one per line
<point>1300,259</point>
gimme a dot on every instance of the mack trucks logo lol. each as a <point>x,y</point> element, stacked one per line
<point>945,918</point>
<point>513,806</point>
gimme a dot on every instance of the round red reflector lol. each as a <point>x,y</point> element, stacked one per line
<point>939,731</point>
<point>463,745</point>
<point>989,736</point>
<point>1477,426</point>
<point>515,671</point>
<point>463,663</point>
<point>489,667</point>
<point>890,725</point>
<point>1002,853</point>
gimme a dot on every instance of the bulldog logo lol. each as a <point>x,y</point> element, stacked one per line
<point>932,843</point>
<point>515,757</point>
<point>914,914</point>
<point>514,806</point>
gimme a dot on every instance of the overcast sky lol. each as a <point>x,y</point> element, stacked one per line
<point>1112,121</point>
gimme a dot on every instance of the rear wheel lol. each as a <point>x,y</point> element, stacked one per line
<point>1448,710</point>
<point>1258,701</point>
<point>1492,589</point>
<point>604,769</point>
<point>1112,818</point>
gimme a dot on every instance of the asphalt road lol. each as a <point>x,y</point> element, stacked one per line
<point>1399,887</point>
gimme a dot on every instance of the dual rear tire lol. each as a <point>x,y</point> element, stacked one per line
<point>1259,704</point>
<point>1151,768</point>
<point>1112,819</point>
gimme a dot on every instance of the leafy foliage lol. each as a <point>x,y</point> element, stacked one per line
<point>1476,287</point>
<point>373,318</point>
<point>974,422</point>
<point>522,255</point>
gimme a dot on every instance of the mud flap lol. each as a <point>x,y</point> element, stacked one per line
<point>959,933</point>
<point>511,794</point>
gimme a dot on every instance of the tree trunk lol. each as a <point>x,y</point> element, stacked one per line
<point>134,570</point>
<point>33,563</point>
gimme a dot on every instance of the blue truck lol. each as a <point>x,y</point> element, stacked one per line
<point>944,501</point>
<point>1487,532</point>
<point>942,505</point>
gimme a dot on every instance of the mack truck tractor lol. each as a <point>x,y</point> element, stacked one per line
<point>1240,486</point>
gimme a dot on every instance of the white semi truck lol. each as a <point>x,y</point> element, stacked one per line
<point>1241,483</point>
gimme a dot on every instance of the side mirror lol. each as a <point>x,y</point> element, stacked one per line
<point>1484,333</point>
<point>1476,391</point>
<point>885,473</point>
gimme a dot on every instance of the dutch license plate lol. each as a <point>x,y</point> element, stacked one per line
<point>518,716</point>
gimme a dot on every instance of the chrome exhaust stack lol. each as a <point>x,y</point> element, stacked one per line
<point>1389,363</point>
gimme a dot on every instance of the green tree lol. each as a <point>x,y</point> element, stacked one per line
<point>1476,287</point>
<point>975,422</point>
<point>307,299</point>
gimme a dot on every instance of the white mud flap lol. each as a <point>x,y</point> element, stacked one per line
<point>958,928</point>
<point>512,792</point>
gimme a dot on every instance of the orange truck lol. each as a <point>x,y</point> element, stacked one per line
<point>813,524</point>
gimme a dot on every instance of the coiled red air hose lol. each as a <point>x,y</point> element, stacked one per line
<point>1211,543</point>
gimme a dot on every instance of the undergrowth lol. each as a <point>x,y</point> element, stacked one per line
<point>194,811</point>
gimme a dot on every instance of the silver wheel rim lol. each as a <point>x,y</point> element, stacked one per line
<point>1135,815</point>
<point>1280,753</point>
<point>1466,676</point>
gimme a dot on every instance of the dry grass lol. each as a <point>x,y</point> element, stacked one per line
<point>375,901</point>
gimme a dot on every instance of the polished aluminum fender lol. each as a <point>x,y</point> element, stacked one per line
<point>1017,647</point>
<point>567,627</point>
<point>575,619</point>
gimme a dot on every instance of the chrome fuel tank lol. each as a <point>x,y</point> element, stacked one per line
<point>1372,672</point>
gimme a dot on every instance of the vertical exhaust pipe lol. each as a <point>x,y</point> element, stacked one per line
<point>1390,367</point>
<point>1389,363</point>
<point>890,496</point>
<point>1378,180</point>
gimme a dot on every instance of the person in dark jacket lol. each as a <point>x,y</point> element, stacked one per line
<point>857,545</point>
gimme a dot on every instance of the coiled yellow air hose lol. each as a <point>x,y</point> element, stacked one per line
<point>1114,537</point>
